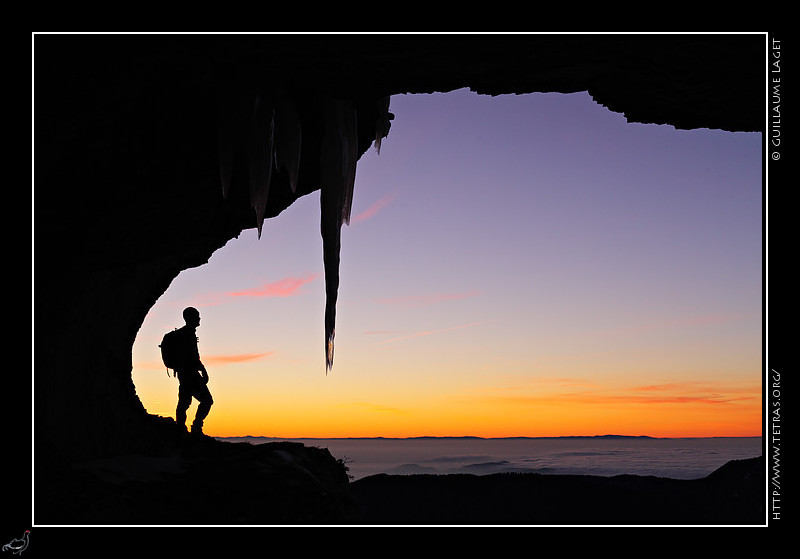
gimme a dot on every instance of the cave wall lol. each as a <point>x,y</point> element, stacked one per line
<point>127,189</point>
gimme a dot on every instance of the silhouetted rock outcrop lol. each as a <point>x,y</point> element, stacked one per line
<point>197,481</point>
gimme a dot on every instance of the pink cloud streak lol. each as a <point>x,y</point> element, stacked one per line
<point>286,287</point>
<point>239,358</point>
<point>373,209</point>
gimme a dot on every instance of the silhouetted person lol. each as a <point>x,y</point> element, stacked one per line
<point>192,375</point>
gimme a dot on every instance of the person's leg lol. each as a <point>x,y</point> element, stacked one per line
<point>184,401</point>
<point>203,396</point>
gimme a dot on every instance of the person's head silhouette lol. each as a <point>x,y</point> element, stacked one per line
<point>192,316</point>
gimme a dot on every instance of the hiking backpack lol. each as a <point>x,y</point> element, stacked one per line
<point>171,350</point>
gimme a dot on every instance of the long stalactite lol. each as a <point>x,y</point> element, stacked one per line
<point>339,158</point>
<point>266,127</point>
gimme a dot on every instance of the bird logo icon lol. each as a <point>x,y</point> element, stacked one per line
<point>18,545</point>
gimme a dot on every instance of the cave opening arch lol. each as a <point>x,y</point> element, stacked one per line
<point>125,136</point>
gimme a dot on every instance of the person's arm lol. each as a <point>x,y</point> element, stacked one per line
<point>195,357</point>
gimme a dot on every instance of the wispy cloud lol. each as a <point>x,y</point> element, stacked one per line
<point>423,300</point>
<point>210,360</point>
<point>429,332</point>
<point>668,393</point>
<point>286,287</point>
<point>373,209</point>
<point>237,358</point>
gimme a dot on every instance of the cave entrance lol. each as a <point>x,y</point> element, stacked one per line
<point>504,253</point>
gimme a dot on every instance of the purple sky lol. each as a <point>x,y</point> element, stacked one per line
<point>537,245</point>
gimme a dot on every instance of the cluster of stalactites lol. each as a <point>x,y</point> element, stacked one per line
<point>269,127</point>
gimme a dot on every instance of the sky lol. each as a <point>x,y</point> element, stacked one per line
<point>520,265</point>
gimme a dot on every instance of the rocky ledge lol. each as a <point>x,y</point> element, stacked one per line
<point>191,480</point>
<point>187,481</point>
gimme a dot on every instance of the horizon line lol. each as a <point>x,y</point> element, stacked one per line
<point>489,438</point>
